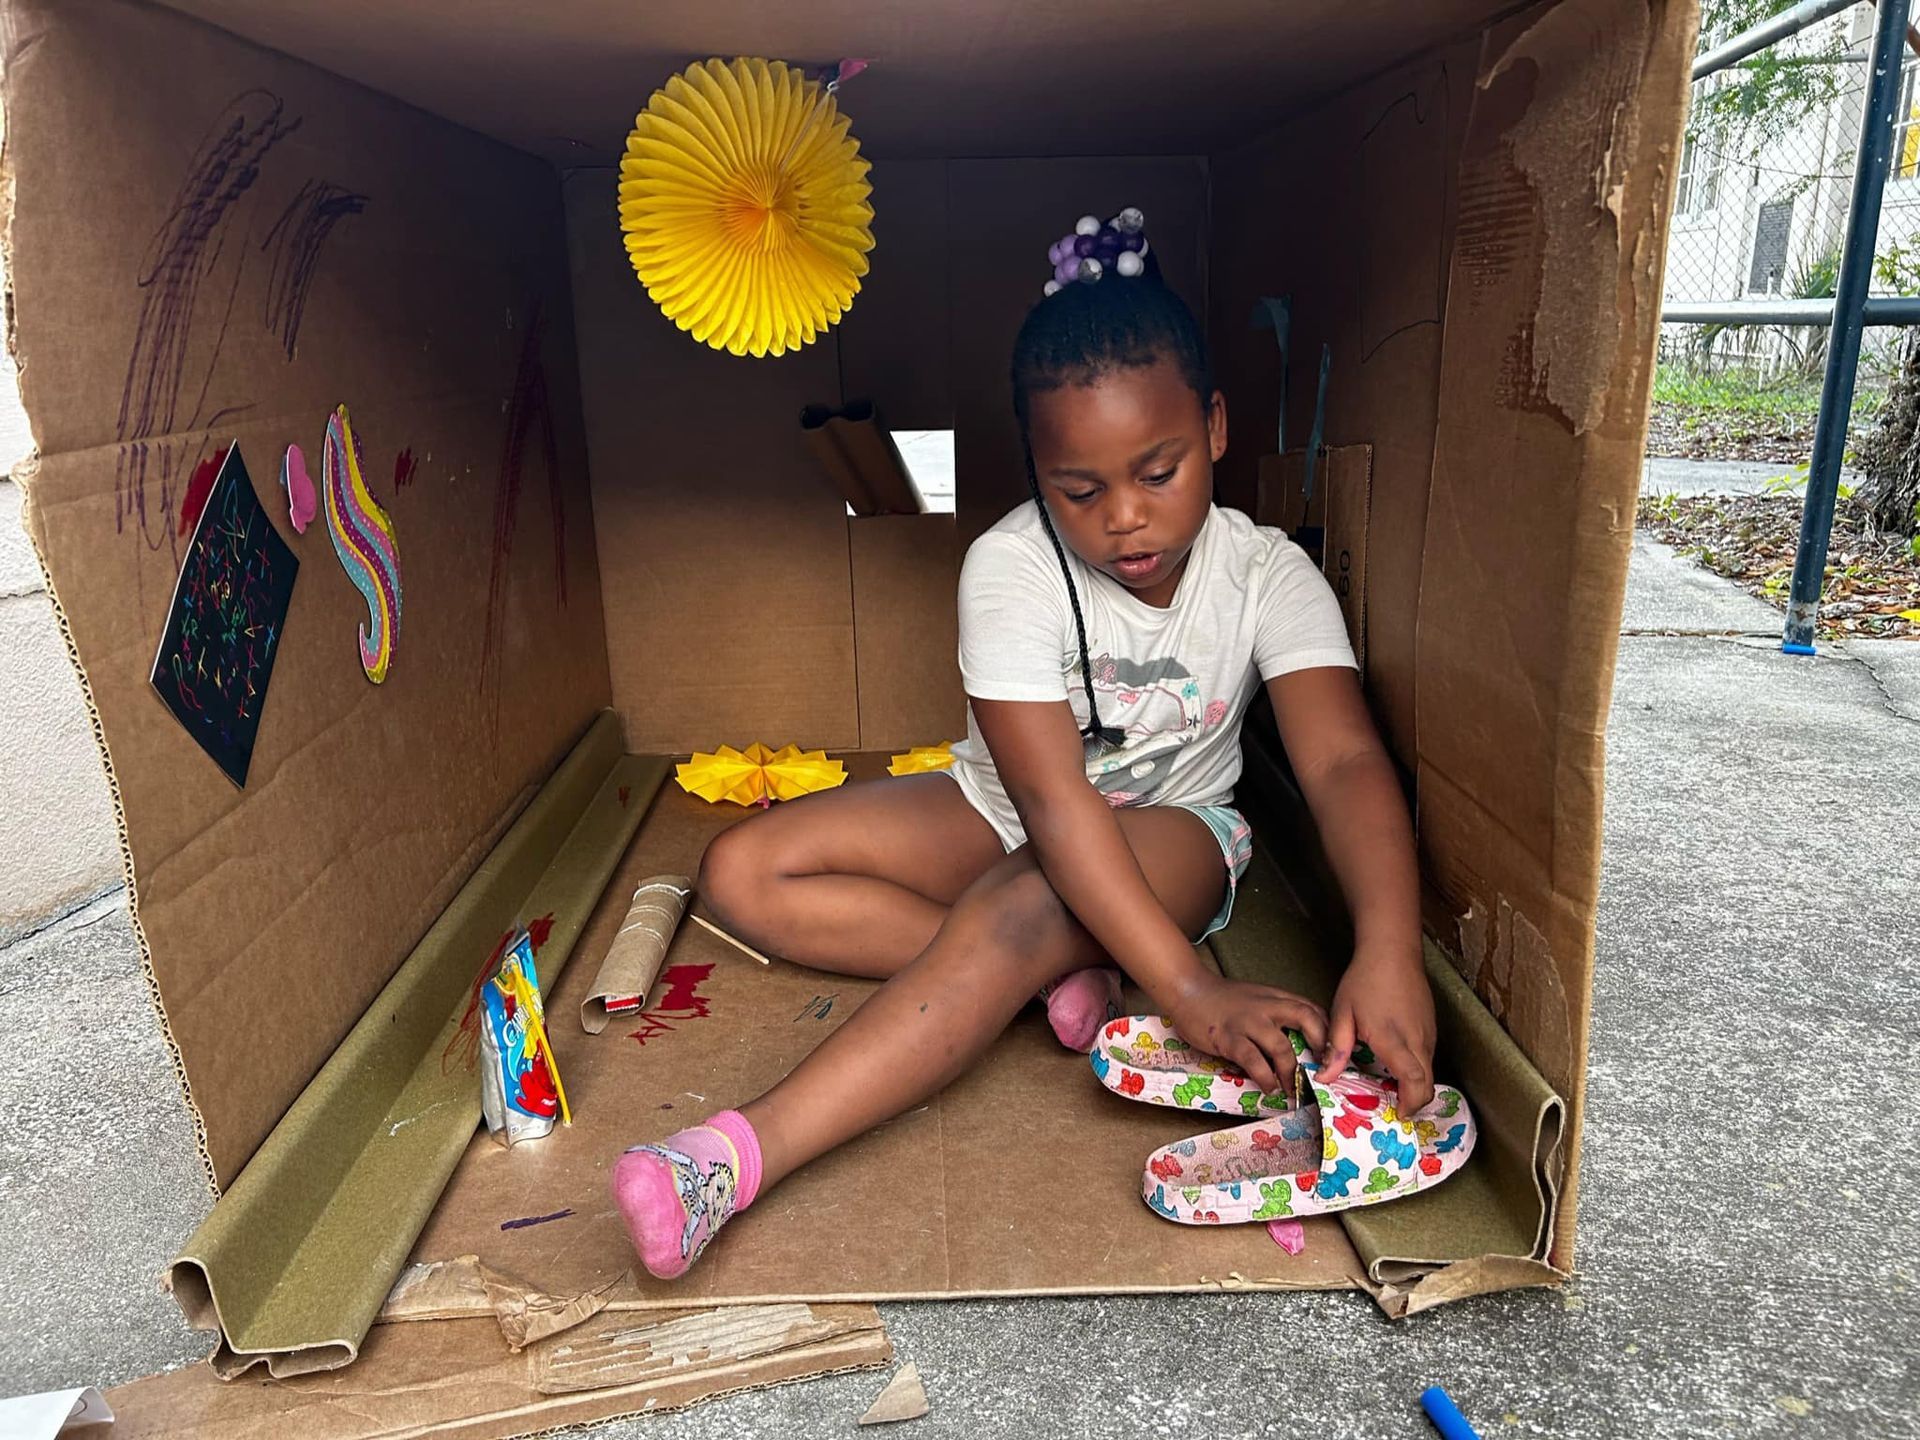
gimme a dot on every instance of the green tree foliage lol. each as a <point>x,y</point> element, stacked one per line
<point>1769,94</point>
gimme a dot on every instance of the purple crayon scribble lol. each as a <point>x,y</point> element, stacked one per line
<point>534,1220</point>
<point>184,259</point>
<point>296,240</point>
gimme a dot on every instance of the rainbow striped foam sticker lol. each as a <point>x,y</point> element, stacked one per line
<point>363,539</point>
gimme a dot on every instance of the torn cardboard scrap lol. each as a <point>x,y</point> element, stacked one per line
<point>627,974</point>
<point>905,1398</point>
<point>462,1288</point>
<point>454,1379</point>
<point>619,1352</point>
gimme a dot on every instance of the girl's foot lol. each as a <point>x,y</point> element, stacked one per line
<point>677,1194</point>
<point>1080,1003</point>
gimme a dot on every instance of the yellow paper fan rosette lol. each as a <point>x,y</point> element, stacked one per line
<point>744,202</point>
<point>923,760</point>
<point>757,775</point>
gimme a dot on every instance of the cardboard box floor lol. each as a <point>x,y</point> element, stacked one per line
<point>955,1198</point>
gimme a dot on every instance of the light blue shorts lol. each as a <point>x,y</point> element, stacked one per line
<point>1230,828</point>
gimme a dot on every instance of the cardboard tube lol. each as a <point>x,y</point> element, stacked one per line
<point>868,446</point>
<point>823,439</point>
<point>634,959</point>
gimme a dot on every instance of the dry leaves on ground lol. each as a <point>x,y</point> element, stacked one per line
<point>1873,581</point>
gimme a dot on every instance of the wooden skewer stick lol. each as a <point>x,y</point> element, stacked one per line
<point>740,945</point>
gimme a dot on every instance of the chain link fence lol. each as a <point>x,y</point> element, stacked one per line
<point>1760,210</point>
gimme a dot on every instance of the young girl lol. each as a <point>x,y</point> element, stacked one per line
<point>1113,630</point>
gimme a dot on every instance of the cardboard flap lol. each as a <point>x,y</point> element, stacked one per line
<point>240,253</point>
<point>1553,304</point>
<point>298,1256</point>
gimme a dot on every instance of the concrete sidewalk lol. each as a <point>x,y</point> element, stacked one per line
<point>1666,476</point>
<point>1747,1229</point>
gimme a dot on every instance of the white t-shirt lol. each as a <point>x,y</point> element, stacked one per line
<point>1177,682</point>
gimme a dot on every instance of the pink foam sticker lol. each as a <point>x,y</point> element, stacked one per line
<point>1289,1235</point>
<point>302,503</point>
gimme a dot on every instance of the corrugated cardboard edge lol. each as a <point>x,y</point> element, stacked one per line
<point>455,1382</point>
<point>23,475</point>
<point>260,1329</point>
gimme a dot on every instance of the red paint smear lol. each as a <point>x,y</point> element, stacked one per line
<point>465,1044</point>
<point>200,487</point>
<point>405,468</point>
<point>681,1000</point>
<point>529,413</point>
<point>626,792</point>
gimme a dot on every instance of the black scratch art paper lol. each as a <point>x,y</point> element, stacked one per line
<point>224,629</point>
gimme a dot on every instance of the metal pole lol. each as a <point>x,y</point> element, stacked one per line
<point>1878,310</point>
<point>1843,349</point>
<point>1752,42</point>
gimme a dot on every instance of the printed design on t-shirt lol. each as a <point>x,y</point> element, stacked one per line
<point>1156,704</point>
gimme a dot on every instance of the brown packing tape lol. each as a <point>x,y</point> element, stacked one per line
<point>296,1259</point>
<point>628,1349</point>
<point>633,960</point>
<point>457,1380</point>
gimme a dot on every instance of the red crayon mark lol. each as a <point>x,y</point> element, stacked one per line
<point>626,792</point>
<point>405,468</point>
<point>200,487</point>
<point>529,416</point>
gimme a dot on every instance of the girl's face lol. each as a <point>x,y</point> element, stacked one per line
<point>1126,468</point>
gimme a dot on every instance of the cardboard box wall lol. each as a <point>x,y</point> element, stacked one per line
<point>1468,210</point>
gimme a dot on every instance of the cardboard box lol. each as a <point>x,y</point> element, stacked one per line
<point>220,234</point>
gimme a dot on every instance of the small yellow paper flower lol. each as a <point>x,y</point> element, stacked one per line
<point>923,758</point>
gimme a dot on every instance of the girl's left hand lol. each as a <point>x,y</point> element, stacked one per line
<point>1384,1002</point>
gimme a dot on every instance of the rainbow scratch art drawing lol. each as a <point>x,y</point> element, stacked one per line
<point>363,538</point>
<point>223,630</point>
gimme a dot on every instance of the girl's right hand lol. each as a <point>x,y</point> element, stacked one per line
<point>1247,1024</point>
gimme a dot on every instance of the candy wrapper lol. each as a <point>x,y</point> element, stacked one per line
<point>520,1089</point>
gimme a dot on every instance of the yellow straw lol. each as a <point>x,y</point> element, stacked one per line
<point>529,1004</point>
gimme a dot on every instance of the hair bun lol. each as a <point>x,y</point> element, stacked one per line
<point>1097,247</point>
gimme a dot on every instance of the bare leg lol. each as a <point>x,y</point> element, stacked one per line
<point>855,880</point>
<point>1006,936</point>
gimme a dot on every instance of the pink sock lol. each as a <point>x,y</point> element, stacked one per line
<point>677,1194</point>
<point>1080,1003</point>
